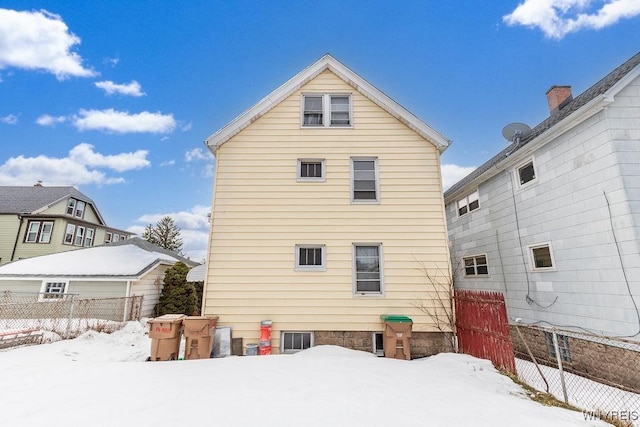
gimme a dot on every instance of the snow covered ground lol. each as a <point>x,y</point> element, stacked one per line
<point>101,379</point>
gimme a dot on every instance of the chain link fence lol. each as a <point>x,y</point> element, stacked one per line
<point>600,375</point>
<point>33,318</point>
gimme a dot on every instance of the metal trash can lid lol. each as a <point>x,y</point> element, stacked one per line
<point>396,318</point>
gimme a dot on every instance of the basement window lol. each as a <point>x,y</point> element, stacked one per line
<point>563,346</point>
<point>378,344</point>
<point>293,342</point>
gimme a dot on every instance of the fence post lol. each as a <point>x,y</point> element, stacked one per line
<point>70,318</point>
<point>559,359</point>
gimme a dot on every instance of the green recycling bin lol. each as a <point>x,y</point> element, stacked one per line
<point>397,334</point>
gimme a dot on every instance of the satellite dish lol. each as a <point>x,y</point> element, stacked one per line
<point>515,131</point>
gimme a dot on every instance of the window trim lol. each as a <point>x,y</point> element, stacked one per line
<point>376,171</point>
<point>475,266</point>
<point>301,178</point>
<point>356,292</point>
<point>108,236</point>
<point>53,296</point>
<point>79,211</point>
<point>294,350</point>
<point>71,204</point>
<point>521,166</point>
<point>66,233</point>
<point>326,110</point>
<point>39,233</point>
<point>89,232</point>
<point>530,248</point>
<point>468,203</point>
<point>322,267</point>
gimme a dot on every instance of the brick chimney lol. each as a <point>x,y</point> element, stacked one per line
<point>558,97</point>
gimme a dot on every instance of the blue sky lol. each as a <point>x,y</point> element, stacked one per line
<point>116,98</point>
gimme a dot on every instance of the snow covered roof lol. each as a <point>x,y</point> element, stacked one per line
<point>327,62</point>
<point>129,259</point>
<point>196,274</point>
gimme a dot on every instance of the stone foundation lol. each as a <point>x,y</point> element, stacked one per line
<point>422,343</point>
<point>599,360</point>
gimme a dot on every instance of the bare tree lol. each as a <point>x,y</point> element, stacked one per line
<point>165,233</point>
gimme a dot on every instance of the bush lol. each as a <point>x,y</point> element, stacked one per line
<point>178,296</point>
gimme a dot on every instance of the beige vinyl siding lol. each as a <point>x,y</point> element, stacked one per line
<point>55,245</point>
<point>97,288</point>
<point>14,285</point>
<point>261,212</point>
<point>9,225</point>
<point>151,287</point>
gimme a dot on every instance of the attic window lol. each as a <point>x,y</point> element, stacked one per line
<point>76,208</point>
<point>323,110</point>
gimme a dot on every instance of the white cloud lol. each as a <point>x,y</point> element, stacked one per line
<point>47,120</point>
<point>84,154</point>
<point>129,89</point>
<point>198,154</point>
<point>454,173</point>
<point>39,40</point>
<point>168,163</point>
<point>11,119</point>
<point>194,229</point>
<point>122,122</point>
<point>80,167</point>
<point>557,18</point>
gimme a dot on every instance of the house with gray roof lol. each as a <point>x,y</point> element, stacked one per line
<point>127,268</point>
<point>553,220</point>
<point>40,220</point>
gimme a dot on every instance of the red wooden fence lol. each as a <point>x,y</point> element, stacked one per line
<point>483,328</point>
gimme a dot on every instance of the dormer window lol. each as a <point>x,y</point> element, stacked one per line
<point>76,208</point>
<point>322,110</point>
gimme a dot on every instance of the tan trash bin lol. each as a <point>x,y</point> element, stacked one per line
<point>397,334</point>
<point>199,332</point>
<point>165,333</point>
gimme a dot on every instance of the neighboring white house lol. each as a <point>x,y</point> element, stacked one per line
<point>553,220</point>
<point>123,269</point>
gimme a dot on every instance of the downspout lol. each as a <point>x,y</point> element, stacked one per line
<point>15,244</point>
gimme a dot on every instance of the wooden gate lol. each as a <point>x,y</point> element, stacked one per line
<point>483,327</point>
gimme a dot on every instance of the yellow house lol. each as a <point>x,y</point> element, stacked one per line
<point>328,213</point>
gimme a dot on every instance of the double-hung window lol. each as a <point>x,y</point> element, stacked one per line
<point>88,238</point>
<point>475,266</point>
<point>79,240</point>
<point>324,110</point>
<point>311,170</point>
<point>367,262</point>
<point>364,180</point>
<point>39,231</point>
<point>468,203</point>
<point>310,257</point>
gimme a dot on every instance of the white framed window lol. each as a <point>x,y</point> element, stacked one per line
<point>364,180</point>
<point>53,289</point>
<point>367,268</point>
<point>292,342</point>
<point>79,239</point>
<point>326,110</point>
<point>69,234</point>
<point>541,257</point>
<point>563,346</point>
<point>468,204</point>
<point>107,237</point>
<point>80,205</point>
<point>88,238</point>
<point>39,231</point>
<point>311,170</point>
<point>526,173</point>
<point>123,237</point>
<point>476,266</point>
<point>71,206</point>
<point>311,257</point>
<point>378,343</point>
<point>116,237</point>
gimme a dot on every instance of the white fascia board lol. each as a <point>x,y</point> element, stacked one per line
<point>68,277</point>
<point>299,80</point>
